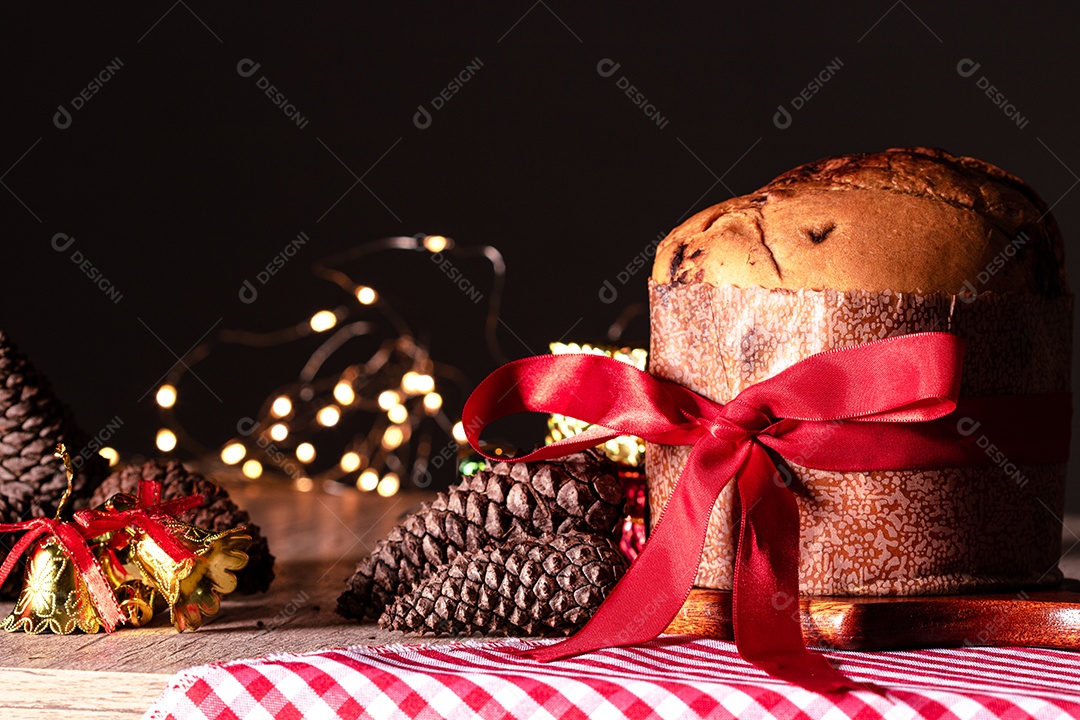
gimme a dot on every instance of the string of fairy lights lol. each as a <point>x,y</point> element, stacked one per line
<point>388,405</point>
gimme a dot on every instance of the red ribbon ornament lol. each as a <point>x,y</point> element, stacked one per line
<point>73,539</point>
<point>884,405</point>
<point>147,517</point>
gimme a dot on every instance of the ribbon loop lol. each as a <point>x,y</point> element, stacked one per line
<point>538,384</point>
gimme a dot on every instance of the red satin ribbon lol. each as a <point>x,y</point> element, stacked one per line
<point>147,517</point>
<point>885,405</point>
<point>71,537</point>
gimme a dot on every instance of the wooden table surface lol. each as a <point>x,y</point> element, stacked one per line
<point>317,538</point>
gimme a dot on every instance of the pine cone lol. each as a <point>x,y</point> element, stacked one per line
<point>578,493</point>
<point>218,512</point>
<point>32,422</point>
<point>522,586</point>
<point>460,521</point>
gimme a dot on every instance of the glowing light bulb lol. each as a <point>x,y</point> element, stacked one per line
<point>366,295</point>
<point>279,431</point>
<point>424,383</point>
<point>368,480</point>
<point>350,462</point>
<point>398,414</point>
<point>165,440</point>
<point>328,416</point>
<point>323,320</point>
<point>388,399</point>
<point>109,454</point>
<point>304,484</point>
<point>233,453</point>
<point>166,396</point>
<point>436,243</point>
<point>305,452</point>
<point>389,485</point>
<point>409,382</point>
<point>343,393</point>
<point>392,438</point>
<point>282,406</point>
<point>432,402</point>
<point>252,469</point>
<point>459,433</point>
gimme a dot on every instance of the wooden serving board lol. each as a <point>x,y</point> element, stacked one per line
<point>1034,618</point>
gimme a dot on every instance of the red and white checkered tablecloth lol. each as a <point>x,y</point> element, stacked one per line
<point>667,678</point>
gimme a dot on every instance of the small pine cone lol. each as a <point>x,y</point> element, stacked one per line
<point>218,512</point>
<point>580,492</point>
<point>522,586</point>
<point>462,520</point>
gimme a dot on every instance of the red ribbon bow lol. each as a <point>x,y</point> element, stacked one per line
<point>146,517</point>
<point>877,406</point>
<point>73,540</point>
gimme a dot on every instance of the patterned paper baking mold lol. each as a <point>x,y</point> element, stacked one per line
<point>887,532</point>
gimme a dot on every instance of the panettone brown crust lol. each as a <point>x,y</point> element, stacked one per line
<point>906,219</point>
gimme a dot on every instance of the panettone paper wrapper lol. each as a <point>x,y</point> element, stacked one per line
<point>879,533</point>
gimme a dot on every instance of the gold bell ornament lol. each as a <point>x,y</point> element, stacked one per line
<point>149,554</point>
<point>192,589</point>
<point>113,564</point>
<point>64,588</point>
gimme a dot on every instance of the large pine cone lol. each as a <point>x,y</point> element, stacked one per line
<point>437,533</point>
<point>522,586</point>
<point>578,493</point>
<point>32,422</point>
<point>218,512</point>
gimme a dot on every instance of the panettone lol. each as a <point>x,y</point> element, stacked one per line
<point>908,220</point>
<point>852,249</point>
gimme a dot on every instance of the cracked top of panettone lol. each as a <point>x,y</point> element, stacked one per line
<point>906,219</point>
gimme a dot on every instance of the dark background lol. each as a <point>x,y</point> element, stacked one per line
<point>180,179</point>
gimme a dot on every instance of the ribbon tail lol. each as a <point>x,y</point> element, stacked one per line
<point>101,593</point>
<point>765,603</point>
<point>654,588</point>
